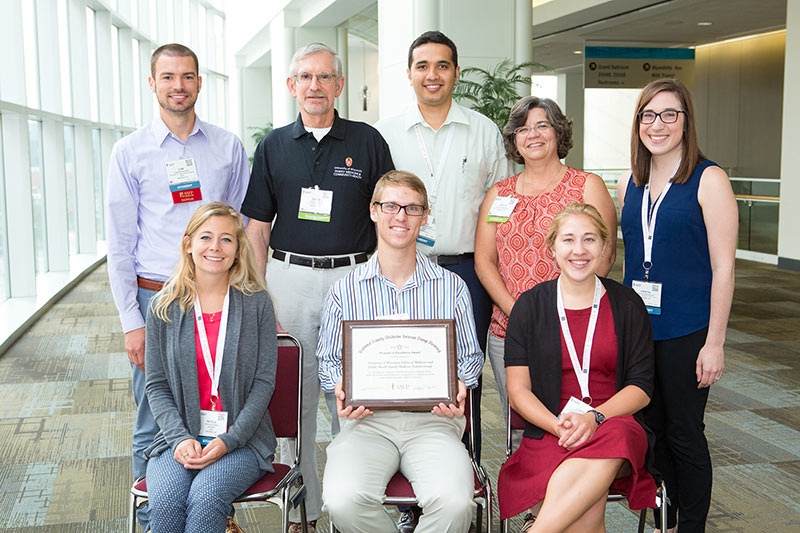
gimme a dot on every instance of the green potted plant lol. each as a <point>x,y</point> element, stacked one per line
<point>492,93</point>
<point>258,134</point>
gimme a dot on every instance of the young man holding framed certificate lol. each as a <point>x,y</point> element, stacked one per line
<point>398,283</point>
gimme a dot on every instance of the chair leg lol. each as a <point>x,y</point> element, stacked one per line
<point>479,518</point>
<point>664,504</point>
<point>642,520</point>
<point>489,511</point>
<point>132,514</point>
<point>303,517</point>
<point>285,510</point>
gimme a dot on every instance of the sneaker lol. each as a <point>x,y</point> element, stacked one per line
<point>409,520</point>
<point>233,527</point>
<point>529,520</point>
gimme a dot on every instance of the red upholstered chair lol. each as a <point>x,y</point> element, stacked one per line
<point>285,410</point>
<point>515,422</point>
<point>400,492</point>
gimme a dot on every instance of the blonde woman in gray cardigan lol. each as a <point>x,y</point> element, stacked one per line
<point>210,361</point>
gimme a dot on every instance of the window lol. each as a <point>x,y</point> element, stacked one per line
<point>91,39</point>
<point>115,75</point>
<point>97,156</point>
<point>37,196</point>
<point>64,59</point>
<point>30,51</point>
<point>72,188</point>
<point>137,82</point>
<point>4,281</point>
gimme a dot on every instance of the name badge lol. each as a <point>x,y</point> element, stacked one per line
<point>575,405</point>
<point>183,181</point>
<point>427,233</point>
<point>501,209</point>
<point>650,293</point>
<point>212,424</point>
<point>315,204</point>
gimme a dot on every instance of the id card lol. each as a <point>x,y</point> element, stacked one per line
<point>575,405</point>
<point>650,293</point>
<point>183,181</point>
<point>427,233</point>
<point>212,424</point>
<point>315,204</point>
<point>501,209</point>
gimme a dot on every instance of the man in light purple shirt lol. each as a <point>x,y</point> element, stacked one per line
<point>157,178</point>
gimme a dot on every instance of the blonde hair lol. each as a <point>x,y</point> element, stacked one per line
<point>401,178</point>
<point>243,274</point>
<point>576,209</point>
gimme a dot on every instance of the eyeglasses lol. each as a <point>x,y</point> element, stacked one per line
<point>305,78</point>
<point>668,116</point>
<point>391,208</point>
<point>540,127</point>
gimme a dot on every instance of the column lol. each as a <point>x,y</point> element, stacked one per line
<point>789,218</point>
<point>342,103</point>
<point>570,96</point>
<point>523,38</point>
<point>283,45</point>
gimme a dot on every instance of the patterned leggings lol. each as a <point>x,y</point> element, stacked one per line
<point>197,500</point>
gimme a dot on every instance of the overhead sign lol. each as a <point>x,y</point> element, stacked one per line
<point>613,67</point>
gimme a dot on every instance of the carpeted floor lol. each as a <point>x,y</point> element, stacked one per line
<point>66,416</point>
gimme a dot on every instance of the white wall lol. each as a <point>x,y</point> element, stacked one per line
<point>363,69</point>
<point>788,240</point>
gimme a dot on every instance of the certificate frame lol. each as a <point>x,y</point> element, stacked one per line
<point>407,336</point>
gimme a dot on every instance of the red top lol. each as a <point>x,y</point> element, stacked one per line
<point>211,321</point>
<point>523,259</point>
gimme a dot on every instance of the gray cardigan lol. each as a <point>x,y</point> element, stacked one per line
<point>246,382</point>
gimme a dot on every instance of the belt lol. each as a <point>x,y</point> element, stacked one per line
<point>320,262</point>
<point>447,260</point>
<point>149,284</point>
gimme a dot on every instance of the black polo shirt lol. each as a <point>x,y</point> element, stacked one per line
<point>349,161</point>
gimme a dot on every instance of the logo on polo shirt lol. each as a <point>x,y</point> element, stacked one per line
<point>348,161</point>
<point>348,171</point>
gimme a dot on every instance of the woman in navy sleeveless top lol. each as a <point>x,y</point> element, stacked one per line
<point>685,276</point>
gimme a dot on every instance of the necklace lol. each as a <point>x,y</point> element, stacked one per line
<point>544,189</point>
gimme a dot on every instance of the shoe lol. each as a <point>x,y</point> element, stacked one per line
<point>529,520</point>
<point>233,527</point>
<point>409,520</point>
<point>297,527</point>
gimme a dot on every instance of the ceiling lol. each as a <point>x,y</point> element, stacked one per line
<point>664,23</point>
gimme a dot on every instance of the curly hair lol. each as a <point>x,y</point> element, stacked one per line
<point>519,116</point>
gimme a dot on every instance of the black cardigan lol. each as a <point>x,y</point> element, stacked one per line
<point>533,339</point>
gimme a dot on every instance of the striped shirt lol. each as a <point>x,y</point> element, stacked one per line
<point>365,294</point>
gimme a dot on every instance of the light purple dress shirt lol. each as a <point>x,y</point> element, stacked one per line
<point>144,226</point>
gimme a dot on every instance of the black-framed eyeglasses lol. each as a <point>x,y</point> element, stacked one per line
<point>391,208</point>
<point>305,78</point>
<point>668,116</point>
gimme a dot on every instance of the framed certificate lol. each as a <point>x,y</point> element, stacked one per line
<point>402,365</point>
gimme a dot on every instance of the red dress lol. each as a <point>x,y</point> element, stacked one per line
<point>523,479</point>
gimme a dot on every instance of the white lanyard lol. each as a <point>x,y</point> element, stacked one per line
<point>214,368</point>
<point>435,177</point>
<point>649,220</point>
<point>581,371</point>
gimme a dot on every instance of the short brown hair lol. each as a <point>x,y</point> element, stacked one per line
<point>576,209</point>
<point>519,116</point>
<point>173,50</point>
<point>400,178</point>
<point>640,155</point>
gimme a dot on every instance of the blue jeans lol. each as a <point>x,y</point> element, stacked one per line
<point>145,427</point>
<point>184,500</point>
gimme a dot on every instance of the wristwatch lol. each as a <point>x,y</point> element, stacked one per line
<point>598,416</point>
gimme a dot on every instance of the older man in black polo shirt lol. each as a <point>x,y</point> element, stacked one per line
<point>308,199</point>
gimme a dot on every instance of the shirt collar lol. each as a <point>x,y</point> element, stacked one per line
<point>424,271</point>
<point>455,114</point>
<point>161,130</point>
<point>337,128</point>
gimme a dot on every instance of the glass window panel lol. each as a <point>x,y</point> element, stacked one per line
<point>63,53</point>
<point>137,83</point>
<point>153,19</point>
<point>115,75</point>
<point>202,35</point>
<point>135,13</point>
<point>30,53</point>
<point>222,119</point>
<point>187,26</point>
<point>72,189</point>
<point>91,39</point>
<point>4,281</point>
<point>170,7</point>
<point>37,195</point>
<point>97,157</point>
<point>219,43</point>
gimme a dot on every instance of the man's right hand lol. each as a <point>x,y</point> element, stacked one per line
<point>348,412</point>
<point>134,346</point>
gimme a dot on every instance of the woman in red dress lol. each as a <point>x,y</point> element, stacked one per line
<point>579,364</point>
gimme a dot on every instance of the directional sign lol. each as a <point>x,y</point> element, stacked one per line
<point>612,67</point>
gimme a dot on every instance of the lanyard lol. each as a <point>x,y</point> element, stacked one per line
<point>437,176</point>
<point>214,368</point>
<point>649,220</point>
<point>581,371</point>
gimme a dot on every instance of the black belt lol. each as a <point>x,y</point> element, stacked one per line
<point>321,262</point>
<point>447,260</point>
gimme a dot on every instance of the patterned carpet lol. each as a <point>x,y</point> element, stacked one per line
<point>67,414</point>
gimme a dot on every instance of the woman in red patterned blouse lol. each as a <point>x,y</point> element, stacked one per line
<point>511,254</point>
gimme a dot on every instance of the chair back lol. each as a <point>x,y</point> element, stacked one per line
<point>514,421</point>
<point>285,405</point>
